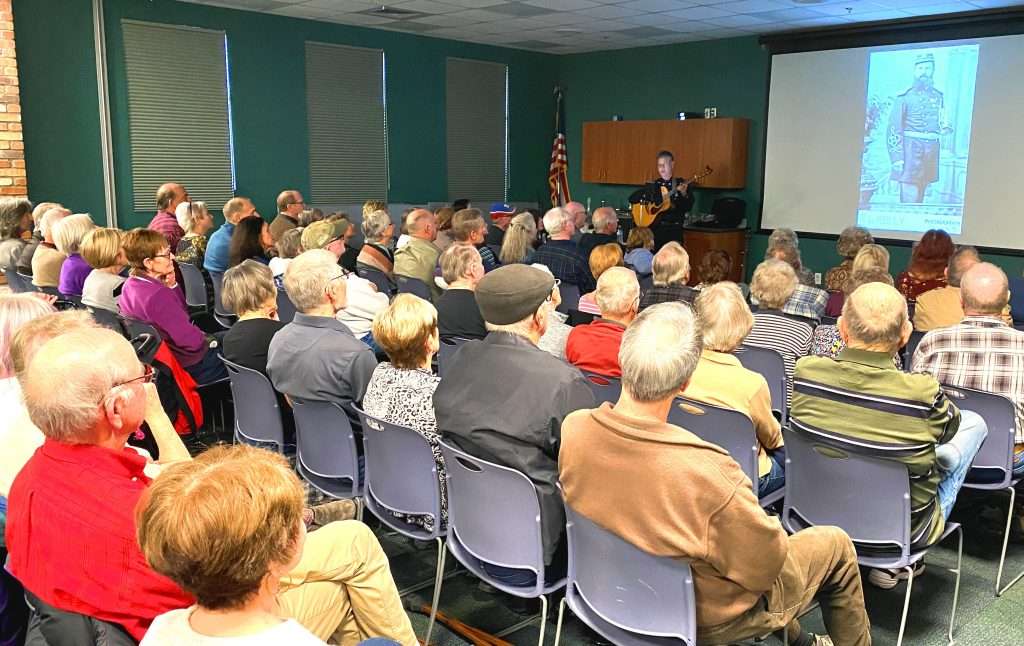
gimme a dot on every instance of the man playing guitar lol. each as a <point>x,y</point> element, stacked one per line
<point>668,223</point>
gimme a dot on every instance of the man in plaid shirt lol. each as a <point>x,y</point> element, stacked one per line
<point>561,255</point>
<point>981,352</point>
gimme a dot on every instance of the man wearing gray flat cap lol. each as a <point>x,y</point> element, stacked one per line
<point>503,399</point>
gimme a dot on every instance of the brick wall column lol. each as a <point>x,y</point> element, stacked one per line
<point>13,180</point>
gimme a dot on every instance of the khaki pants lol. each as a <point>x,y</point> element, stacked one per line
<point>821,564</point>
<point>342,590</point>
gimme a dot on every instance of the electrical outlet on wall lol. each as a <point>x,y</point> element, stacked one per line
<point>817,278</point>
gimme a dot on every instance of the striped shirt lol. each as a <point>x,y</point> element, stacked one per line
<point>788,336</point>
<point>980,352</point>
<point>862,398</point>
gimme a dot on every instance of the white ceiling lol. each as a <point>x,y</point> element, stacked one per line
<point>570,26</point>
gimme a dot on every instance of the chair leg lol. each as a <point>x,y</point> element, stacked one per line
<point>438,580</point>
<point>543,618</point>
<point>558,626</point>
<point>359,508</point>
<point>1002,555</point>
<point>956,586</point>
<point>906,604</point>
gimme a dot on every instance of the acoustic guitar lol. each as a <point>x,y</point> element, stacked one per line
<point>644,213</point>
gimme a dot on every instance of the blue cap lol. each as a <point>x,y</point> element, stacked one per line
<point>501,209</point>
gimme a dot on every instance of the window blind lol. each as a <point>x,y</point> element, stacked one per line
<point>348,151</point>
<point>477,130</point>
<point>178,112</point>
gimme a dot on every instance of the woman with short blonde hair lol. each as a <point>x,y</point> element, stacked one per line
<point>720,378</point>
<point>102,249</point>
<point>602,258</point>
<point>870,256</point>
<point>68,236</point>
<point>773,283</point>
<point>401,390</point>
<point>517,245</point>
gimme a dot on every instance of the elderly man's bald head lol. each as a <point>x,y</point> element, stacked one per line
<point>618,293</point>
<point>422,224</point>
<point>984,290</point>
<point>84,366</point>
<point>875,318</point>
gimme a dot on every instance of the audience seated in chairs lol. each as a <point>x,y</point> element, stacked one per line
<point>290,205</point>
<point>871,256</point>
<point>561,255</point>
<point>401,389</point>
<point>850,241</point>
<point>941,307</point>
<point>418,257</point>
<point>773,283</point>
<point>981,351</point>
<point>784,237</point>
<point>378,232</point>
<point>24,260</point>
<point>827,342</point>
<point>47,259</point>
<point>165,222</point>
<point>555,338</point>
<point>195,220</point>
<point>595,347</point>
<point>671,494</point>
<point>502,398</point>
<point>152,295</point>
<point>316,357</point>
<point>715,266</point>
<point>68,235</point>
<point>890,410</point>
<point>469,228</point>
<point>218,249</point>
<point>256,575</point>
<point>309,216</point>
<point>720,378</point>
<point>457,312</point>
<point>602,258</point>
<point>606,225</point>
<point>501,217</point>
<point>288,247</point>
<point>15,222</point>
<point>671,267</point>
<point>518,241</point>
<point>444,228</point>
<point>102,249</point>
<point>250,240</point>
<point>806,301</point>
<point>640,250</point>
<point>928,260</point>
<point>250,293</point>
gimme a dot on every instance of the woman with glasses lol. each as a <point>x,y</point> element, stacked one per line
<point>152,295</point>
<point>251,240</point>
<point>196,221</point>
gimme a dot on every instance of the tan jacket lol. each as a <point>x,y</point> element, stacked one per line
<point>721,379</point>
<point>670,493</point>
<point>418,259</point>
<point>941,308</point>
<point>281,225</point>
<point>46,264</point>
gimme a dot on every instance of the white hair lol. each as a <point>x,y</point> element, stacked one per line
<point>50,219</point>
<point>617,290</point>
<point>375,224</point>
<point>187,214</point>
<point>307,277</point>
<point>659,352</point>
<point>604,217</point>
<point>555,220</point>
<point>69,232</point>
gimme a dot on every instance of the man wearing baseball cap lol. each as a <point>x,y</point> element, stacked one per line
<point>503,399</point>
<point>501,215</point>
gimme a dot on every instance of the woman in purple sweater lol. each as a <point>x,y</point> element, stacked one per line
<point>68,236</point>
<point>152,295</point>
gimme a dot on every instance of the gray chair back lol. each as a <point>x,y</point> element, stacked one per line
<point>285,307</point>
<point>415,286</point>
<point>224,318</point>
<point>570,297</point>
<point>401,476</point>
<point>605,389</point>
<point>729,429</point>
<point>257,415</point>
<point>107,319</point>
<point>26,282</point>
<point>493,516</point>
<point>828,482</point>
<point>326,448</point>
<point>377,277</point>
<point>449,346</point>
<point>195,285</point>
<point>769,364</point>
<point>911,347</point>
<point>624,594</point>
<point>144,338</point>
<point>993,465</point>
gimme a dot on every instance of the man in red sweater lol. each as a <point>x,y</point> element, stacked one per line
<point>595,347</point>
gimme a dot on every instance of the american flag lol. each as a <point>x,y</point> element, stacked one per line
<point>558,171</point>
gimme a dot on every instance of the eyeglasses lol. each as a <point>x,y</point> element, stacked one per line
<point>148,376</point>
<point>167,255</point>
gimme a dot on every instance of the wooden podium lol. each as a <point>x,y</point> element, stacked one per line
<point>700,240</point>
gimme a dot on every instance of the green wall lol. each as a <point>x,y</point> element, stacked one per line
<point>267,67</point>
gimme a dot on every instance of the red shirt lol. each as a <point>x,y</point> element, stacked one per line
<point>595,347</point>
<point>71,536</point>
<point>166,223</point>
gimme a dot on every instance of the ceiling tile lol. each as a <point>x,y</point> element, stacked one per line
<point>651,19</point>
<point>360,19</point>
<point>428,6</point>
<point>904,4</point>
<point>563,5</point>
<point>518,9</point>
<point>820,21</point>
<point>787,15</point>
<point>993,4</point>
<point>699,13</point>
<point>657,5</point>
<point>449,20</point>
<point>476,4</point>
<point>740,21</point>
<point>608,11</point>
<point>299,11</point>
<point>340,6</point>
<point>249,5</point>
<point>883,14</point>
<point>849,8</point>
<point>407,25</point>
<point>935,9</point>
<point>754,6</point>
<point>645,32</point>
<point>601,26</point>
<point>690,26</point>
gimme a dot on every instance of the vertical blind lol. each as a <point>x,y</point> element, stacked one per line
<point>178,112</point>
<point>477,130</point>
<point>348,151</point>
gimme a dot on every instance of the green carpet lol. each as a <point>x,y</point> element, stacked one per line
<point>982,619</point>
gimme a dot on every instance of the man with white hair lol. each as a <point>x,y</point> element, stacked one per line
<point>981,351</point>
<point>606,225</point>
<point>457,312</point>
<point>595,347</point>
<point>671,272</point>
<point>418,258</point>
<point>47,259</point>
<point>316,357</point>
<point>578,213</point>
<point>862,396</point>
<point>561,255</point>
<point>503,399</point>
<point>672,494</point>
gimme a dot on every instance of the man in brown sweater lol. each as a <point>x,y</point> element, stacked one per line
<point>672,494</point>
